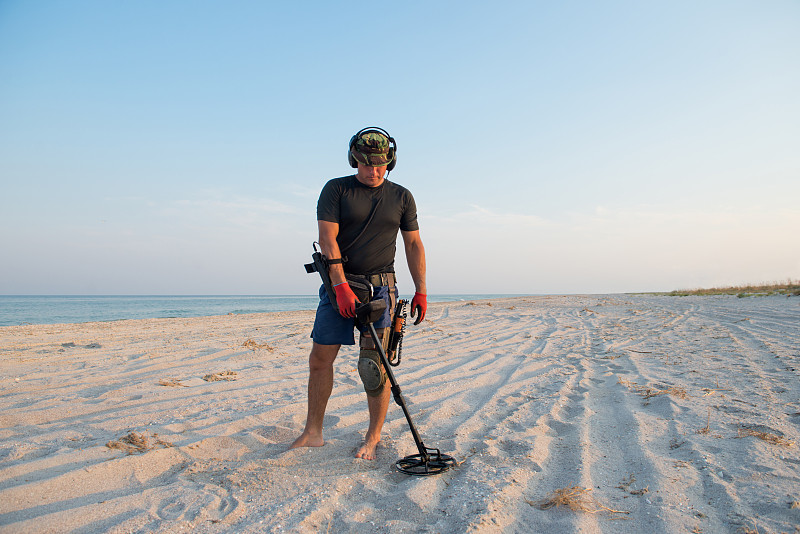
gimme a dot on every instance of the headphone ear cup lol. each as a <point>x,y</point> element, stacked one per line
<point>350,159</point>
<point>393,155</point>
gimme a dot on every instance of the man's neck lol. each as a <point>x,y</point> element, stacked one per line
<point>369,183</point>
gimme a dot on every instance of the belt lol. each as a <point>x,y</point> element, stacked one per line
<point>379,279</point>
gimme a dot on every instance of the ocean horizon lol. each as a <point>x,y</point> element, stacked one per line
<point>56,309</point>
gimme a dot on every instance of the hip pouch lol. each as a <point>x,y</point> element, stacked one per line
<point>361,287</point>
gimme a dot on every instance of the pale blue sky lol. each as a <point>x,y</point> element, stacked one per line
<point>552,147</point>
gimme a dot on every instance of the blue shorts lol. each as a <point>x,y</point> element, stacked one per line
<point>330,328</point>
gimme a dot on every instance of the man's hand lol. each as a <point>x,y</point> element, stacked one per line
<point>345,300</point>
<point>419,305</point>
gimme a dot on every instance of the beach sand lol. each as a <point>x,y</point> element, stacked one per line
<point>620,413</point>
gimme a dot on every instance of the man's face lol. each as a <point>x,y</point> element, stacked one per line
<point>370,176</point>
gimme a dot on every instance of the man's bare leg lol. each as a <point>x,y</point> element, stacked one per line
<point>320,386</point>
<point>378,406</point>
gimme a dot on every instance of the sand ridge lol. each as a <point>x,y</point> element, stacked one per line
<point>665,414</point>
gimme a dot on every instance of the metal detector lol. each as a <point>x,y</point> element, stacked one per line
<point>429,461</point>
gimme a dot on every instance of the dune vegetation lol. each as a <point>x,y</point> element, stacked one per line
<point>789,288</point>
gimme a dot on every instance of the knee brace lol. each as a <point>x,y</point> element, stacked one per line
<point>371,372</point>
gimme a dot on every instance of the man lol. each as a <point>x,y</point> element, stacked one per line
<point>358,218</point>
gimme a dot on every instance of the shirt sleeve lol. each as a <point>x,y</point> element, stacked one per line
<point>409,223</point>
<point>328,203</point>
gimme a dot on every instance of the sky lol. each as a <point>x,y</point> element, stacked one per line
<point>179,147</point>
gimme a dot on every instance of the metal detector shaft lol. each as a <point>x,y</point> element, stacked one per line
<point>398,395</point>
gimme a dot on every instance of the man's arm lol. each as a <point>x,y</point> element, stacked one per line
<point>415,255</point>
<point>330,249</point>
<point>346,300</point>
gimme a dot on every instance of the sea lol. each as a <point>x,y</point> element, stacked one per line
<point>55,309</point>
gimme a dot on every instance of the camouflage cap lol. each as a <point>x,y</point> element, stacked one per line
<point>372,148</point>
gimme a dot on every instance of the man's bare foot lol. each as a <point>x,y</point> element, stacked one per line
<point>307,440</point>
<point>367,451</point>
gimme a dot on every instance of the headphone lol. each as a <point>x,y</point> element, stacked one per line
<point>373,129</point>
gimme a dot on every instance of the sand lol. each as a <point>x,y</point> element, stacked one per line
<point>620,413</point>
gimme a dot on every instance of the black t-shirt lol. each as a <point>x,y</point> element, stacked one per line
<point>369,219</point>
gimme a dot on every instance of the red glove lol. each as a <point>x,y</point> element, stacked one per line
<point>345,299</point>
<point>419,305</point>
